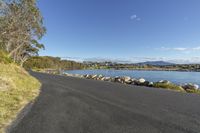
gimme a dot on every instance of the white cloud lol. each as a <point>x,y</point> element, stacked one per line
<point>135,17</point>
<point>181,49</point>
<point>196,49</point>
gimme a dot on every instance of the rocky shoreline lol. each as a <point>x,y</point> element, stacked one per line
<point>188,87</point>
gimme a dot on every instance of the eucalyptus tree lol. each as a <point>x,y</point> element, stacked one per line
<point>21,26</point>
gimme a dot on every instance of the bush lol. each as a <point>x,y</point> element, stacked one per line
<point>168,86</point>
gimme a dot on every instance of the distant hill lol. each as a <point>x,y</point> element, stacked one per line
<point>156,63</point>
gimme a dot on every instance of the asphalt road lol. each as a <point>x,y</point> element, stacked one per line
<point>72,105</point>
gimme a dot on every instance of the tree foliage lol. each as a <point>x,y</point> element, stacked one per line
<point>47,62</point>
<point>21,26</point>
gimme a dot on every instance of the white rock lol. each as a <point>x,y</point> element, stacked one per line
<point>107,78</point>
<point>141,80</point>
<point>164,81</point>
<point>126,78</point>
<point>196,86</point>
<point>100,76</point>
<point>94,76</point>
<point>191,86</point>
<point>88,76</point>
<point>151,83</point>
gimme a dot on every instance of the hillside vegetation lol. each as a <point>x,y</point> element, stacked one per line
<point>17,88</point>
<point>47,62</point>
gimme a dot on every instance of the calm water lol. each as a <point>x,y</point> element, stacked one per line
<point>173,76</point>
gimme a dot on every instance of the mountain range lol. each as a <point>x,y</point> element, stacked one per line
<point>155,63</point>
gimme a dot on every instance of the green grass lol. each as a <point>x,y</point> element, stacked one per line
<point>17,88</point>
<point>169,86</point>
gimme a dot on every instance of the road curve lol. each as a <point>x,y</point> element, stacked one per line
<point>73,105</point>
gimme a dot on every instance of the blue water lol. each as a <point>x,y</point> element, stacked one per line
<point>173,76</point>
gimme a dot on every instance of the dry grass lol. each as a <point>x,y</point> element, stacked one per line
<point>17,88</point>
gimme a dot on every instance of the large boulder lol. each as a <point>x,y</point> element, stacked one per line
<point>181,88</point>
<point>151,84</point>
<point>82,76</point>
<point>115,79</point>
<point>127,80</point>
<point>94,76</point>
<point>165,82</point>
<point>85,75</point>
<point>99,77</point>
<point>141,80</point>
<point>190,87</point>
<point>88,76</point>
<point>107,79</point>
<point>78,75</point>
<point>118,79</point>
<point>146,83</point>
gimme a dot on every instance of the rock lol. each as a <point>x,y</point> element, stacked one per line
<point>88,76</point>
<point>69,75</point>
<point>181,88</point>
<point>196,86</point>
<point>112,79</point>
<point>190,87</point>
<point>117,79</point>
<point>85,75</point>
<point>146,83</point>
<point>127,80</point>
<point>164,81</point>
<point>82,76</point>
<point>77,75</point>
<point>141,80</point>
<point>100,76</point>
<point>94,76</point>
<point>151,84</point>
<point>133,79</point>
<point>107,79</point>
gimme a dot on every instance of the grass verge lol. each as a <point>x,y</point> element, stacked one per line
<point>17,88</point>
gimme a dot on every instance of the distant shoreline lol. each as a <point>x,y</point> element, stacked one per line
<point>143,70</point>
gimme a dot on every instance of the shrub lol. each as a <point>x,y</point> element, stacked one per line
<point>168,86</point>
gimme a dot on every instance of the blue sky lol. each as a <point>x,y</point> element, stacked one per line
<point>122,30</point>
